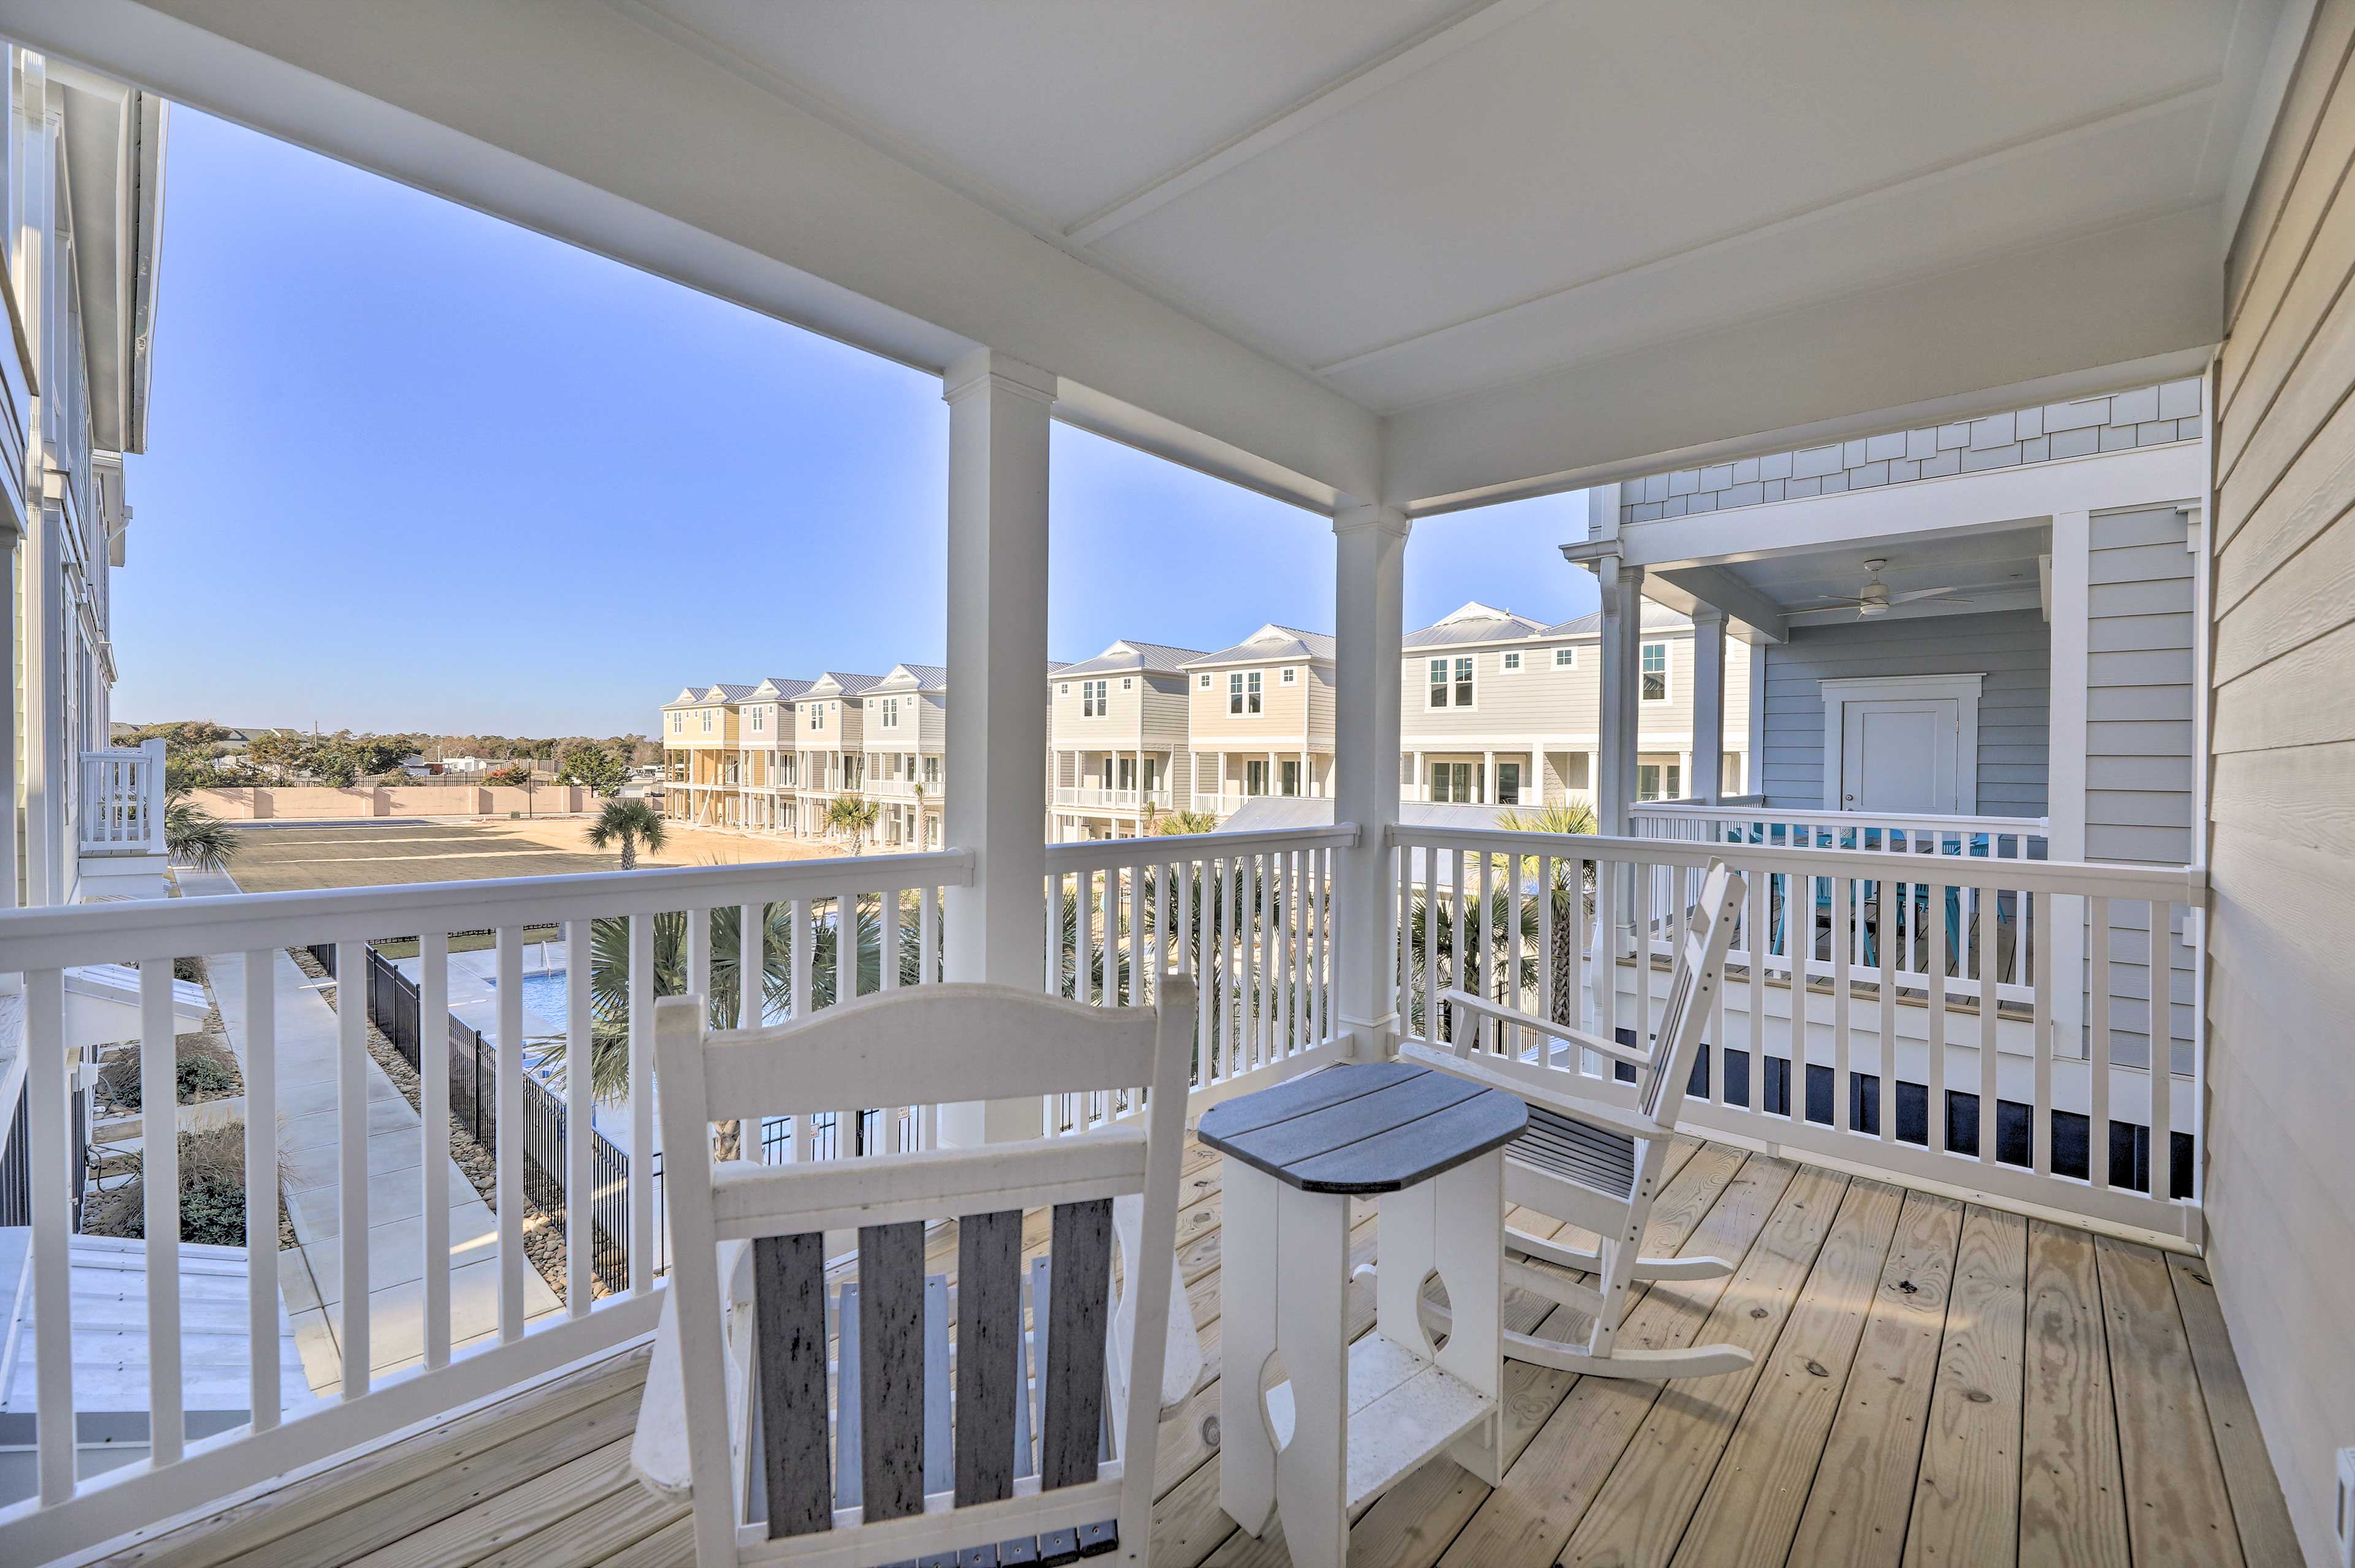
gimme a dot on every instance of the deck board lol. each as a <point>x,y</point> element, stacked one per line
<point>2103,1400</point>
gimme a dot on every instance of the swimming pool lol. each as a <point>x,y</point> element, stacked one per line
<point>543,996</point>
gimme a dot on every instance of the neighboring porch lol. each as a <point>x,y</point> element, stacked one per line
<point>1935,1381</point>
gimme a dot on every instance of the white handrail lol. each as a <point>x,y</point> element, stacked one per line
<point>1849,1012</point>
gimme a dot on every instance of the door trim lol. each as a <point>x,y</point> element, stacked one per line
<point>1962,689</point>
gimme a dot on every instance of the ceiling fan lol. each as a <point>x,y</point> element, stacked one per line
<point>1874,598</point>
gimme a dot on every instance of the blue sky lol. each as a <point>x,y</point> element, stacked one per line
<point>411,468</point>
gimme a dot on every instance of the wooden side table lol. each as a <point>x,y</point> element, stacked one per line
<point>1352,1420</point>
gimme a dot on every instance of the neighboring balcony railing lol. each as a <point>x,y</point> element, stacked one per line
<point>122,803</point>
<point>1111,799</point>
<point>1251,913</point>
<point>1872,1012</point>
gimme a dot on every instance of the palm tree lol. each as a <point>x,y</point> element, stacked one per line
<point>1568,915</point>
<point>196,837</point>
<point>609,977</point>
<point>630,822</point>
<point>1179,822</point>
<point>1478,968</point>
<point>848,814</point>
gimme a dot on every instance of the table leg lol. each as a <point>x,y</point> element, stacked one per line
<point>1247,1330</point>
<point>1468,1250</point>
<point>1311,1469</point>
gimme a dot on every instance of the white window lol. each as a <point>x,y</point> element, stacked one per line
<point>1206,683</point>
<point>1255,778</point>
<point>1290,775</point>
<point>1095,699</point>
<point>1128,683</point>
<point>932,770</point>
<point>1565,658</point>
<point>1243,692</point>
<point>817,716</point>
<point>1658,780</point>
<point>707,720</point>
<point>678,724</point>
<point>760,719</point>
<point>1451,680</point>
<point>1509,663</point>
<point>1509,784</point>
<point>1067,689</point>
<point>1656,675</point>
<point>1290,676</point>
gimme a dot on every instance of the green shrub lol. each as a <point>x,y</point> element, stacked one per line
<point>206,1070</point>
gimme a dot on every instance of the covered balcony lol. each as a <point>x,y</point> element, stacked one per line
<point>2027,1277</point>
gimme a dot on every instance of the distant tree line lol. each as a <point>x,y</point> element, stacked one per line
<point>199,753</point>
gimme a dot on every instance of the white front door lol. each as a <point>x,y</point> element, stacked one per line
<point>1898,756</point>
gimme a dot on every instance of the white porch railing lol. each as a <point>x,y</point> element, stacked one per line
<point>1865,1019</point>
<point>788,920</point>
<point>1249,915</point>
<point>122,801</point>
<point>1111,799</point>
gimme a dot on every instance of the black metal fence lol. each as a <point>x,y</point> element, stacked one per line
<point>396,1007</point>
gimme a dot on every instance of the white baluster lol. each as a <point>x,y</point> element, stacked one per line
<point>579,1130</point>
<point>263,1393</point>
<point>433,1112</point>
<point>643,1241</point>
<point>50,1127</point>
<point>507,1154</point>
<point>160,1178</point>
<point>351,1132</point>
<point>2097,930</point>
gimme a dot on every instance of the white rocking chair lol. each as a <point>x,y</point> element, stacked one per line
<point>924,1450</point>
<point>1593,1158</point>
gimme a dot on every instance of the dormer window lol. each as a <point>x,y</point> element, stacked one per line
<point>1244,691</point>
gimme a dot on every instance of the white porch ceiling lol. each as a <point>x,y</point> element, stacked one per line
<point>1539,241</point>
<point>1505,186</point>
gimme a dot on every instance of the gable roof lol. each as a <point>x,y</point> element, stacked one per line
<point>840,683</point>
<point>1271,642</point>
<point>780,689</point>
<point>1126,655</point>
<point>1475,622</point>
<point>916,678</point>
<point>1656,618</point>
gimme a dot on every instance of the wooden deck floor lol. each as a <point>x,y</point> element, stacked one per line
<point>1936,1383</point>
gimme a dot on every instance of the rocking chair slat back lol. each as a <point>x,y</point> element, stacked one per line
<point>769,1454</point>
<point>789,1296</point>
<point>990,1375</point>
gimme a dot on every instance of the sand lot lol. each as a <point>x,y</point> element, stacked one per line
<point>373,854</point>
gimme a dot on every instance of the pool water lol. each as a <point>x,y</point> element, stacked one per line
<point>543,994</point>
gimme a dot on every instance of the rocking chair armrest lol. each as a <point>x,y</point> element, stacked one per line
<point>1482,1005</point>
<point>1559,1101</point>
<point>658,1450</point>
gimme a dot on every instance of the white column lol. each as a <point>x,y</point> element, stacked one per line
<point>8,769</point>
<point>1708,778</point>
<point>1221,782</point>
<point>1415,783</point>
<point>1369,553</point>
<point>1487,790</point>
<point>1614,779</point>
<point>2066,785</point>
<point>1753,763</point>
<point>997,725</point>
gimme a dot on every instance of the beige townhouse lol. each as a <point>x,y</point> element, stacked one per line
<point>1118,727</point>
<point>1260,718</point>
<point>1497,708</point>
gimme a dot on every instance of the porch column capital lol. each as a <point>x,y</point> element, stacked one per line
<point>1387,520</point>
<point>989,368</point>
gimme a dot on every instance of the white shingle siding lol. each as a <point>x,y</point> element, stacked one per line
<point>2142,417</point>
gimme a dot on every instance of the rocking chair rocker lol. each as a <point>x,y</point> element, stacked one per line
<point>1595,1151</point>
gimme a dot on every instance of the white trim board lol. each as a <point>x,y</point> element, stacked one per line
<point>1961,690</point>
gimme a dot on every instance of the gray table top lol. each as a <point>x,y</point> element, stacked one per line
<point>1363,1127</point>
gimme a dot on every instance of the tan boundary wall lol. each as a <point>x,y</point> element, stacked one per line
<point>301,803</point>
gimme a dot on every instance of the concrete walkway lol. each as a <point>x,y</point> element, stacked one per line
<point>311,1273</point>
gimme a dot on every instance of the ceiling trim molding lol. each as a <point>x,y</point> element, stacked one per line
<point>1904,185</point>
<point>1343,92</point>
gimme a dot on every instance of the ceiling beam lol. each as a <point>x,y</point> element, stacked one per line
<point>606,135</point>
<point>1715,585</point>
<point>2063,316</point>
<point>1374,77</point>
